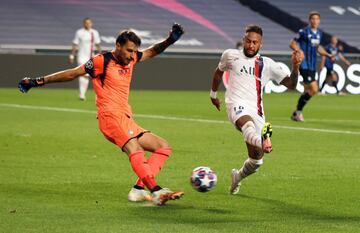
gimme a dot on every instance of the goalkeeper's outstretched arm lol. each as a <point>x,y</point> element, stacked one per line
<point>62,76</point>
<point>174,35</point>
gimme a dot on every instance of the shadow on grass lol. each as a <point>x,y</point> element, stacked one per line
<point>267,210</point>
<point>297,211</point>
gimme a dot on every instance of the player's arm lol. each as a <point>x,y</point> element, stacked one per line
<point>97,41</point>
<point>98,47</point>
<point>346,61</point>
<point>174,35</point>
<point>291,81</point>
<point>72,53</point>
<point>74,47</point>
<point>295,47</point>
<point>63,76</point>
<point>323,52</point>
<point>322,63</point>
<point>217,77</point>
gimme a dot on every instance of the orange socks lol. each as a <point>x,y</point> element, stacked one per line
<point>156,161</point>
<point>142,169</point>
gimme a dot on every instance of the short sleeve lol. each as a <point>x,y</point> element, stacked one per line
<point>322,39</point>
<point>276,73</point>
<point>224,60</point>
<point>300,36</point>
<point>97,38</point>
<point>95,66</point>
<point>76,39</point>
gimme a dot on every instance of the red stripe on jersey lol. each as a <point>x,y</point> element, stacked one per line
<point>259,64</point>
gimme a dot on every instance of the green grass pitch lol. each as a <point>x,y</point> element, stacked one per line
<point>59,174</point>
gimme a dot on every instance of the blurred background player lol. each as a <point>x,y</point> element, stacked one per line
<point>111,75</point>
<point>308,43</point>
<point>85,40</point>
<point>249,73</point>
<point>239,44</point>
<point>331,76</point>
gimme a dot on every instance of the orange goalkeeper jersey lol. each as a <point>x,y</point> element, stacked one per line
<point>112,84</point>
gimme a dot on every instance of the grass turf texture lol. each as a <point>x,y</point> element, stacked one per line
<point>59,174</point>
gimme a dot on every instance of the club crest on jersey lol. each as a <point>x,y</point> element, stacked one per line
<point>89,64</point>
<point>130,132</point>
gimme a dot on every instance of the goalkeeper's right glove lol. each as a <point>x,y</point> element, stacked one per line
<point>26,83</point>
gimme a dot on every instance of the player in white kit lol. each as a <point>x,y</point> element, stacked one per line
<point>85,40</point>
<point>249,73</point>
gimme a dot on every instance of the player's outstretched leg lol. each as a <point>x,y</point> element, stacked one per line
<point>235,181</point>
<point>139,194</point>
<point>156,162</point>
<point>266,134</point>
<point>249,167</point>
<point>143,171</point>
<point>163,195</point>
<point>297,116</point>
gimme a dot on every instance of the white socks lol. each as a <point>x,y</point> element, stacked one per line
<point>250,166</point>
<point>83,86</point>
<point>250,135</point>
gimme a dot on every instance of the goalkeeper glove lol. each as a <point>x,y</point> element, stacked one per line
<point>26,83</point>
<point>175,33</point>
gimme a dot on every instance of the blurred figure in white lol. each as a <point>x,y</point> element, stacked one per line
<point>85,40</point>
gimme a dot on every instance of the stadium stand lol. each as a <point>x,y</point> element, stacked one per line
<point>337,17</point>
<point>211,25</point>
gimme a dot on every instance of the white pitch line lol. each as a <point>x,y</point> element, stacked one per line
<point>181,119</point>
<point>317,130</point>
<point>318,120</point>
<point>47,108</point>
<point>174,118</point>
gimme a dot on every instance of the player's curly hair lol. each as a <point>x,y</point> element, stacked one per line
<point>254,28</point>
<point>128,35</point>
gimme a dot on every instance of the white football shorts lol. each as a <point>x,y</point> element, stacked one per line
<point>237,110</point>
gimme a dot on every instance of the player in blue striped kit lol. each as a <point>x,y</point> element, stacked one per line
<point>308,43</point>
<point>331,76</point>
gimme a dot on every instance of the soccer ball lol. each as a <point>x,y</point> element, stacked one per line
<point>203,179</point>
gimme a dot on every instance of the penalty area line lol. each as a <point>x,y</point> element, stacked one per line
<point>159,117</point>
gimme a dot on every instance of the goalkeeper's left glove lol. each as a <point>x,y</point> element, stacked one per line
<point>175,33</point>
<point>26,83</point>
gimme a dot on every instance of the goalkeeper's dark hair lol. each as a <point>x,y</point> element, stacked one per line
<point>128,35</point>
<point>254,28</point>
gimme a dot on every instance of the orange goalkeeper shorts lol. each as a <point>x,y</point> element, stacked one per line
<point>119,128</point>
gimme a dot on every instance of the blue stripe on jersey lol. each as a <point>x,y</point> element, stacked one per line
<point>309,42</point>
<point>331,50</point>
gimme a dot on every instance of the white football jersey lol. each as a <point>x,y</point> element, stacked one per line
<point>248,77</point>
<point>86,41</point>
